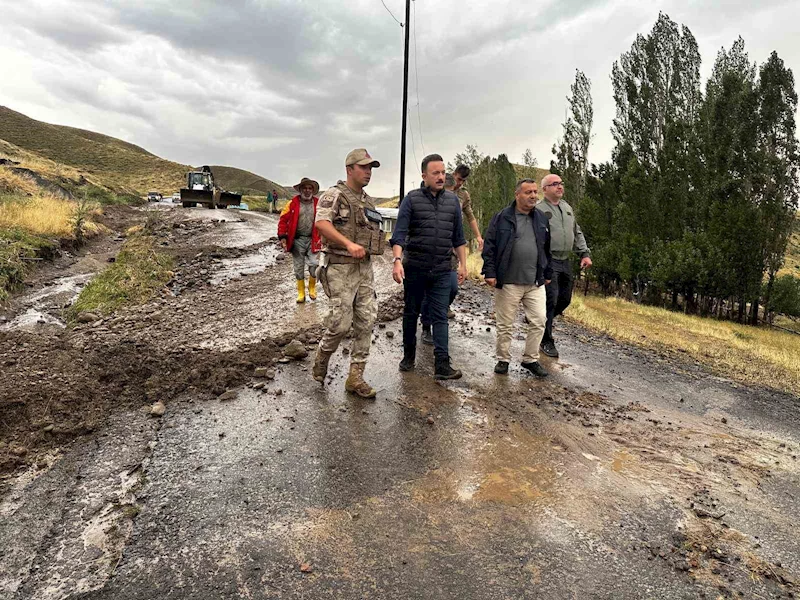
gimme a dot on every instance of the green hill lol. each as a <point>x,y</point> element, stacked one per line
<point>121,166</point>
<point>245,182</point>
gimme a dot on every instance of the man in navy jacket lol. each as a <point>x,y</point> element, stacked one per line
<point>428,229</point>
<point>516,262</point>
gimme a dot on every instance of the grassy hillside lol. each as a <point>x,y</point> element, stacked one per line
<point>118,165</point>
<point>239,180</point>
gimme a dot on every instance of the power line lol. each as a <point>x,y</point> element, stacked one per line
<point>390,12</point>
<point>416,77</point>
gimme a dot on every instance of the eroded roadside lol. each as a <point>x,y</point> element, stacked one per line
<point>624,475</point>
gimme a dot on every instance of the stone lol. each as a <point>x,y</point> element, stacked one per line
<point>295,349</point>
<point>48,428</point>
<point>87,317</point>
<point>158,409</point>
<point>19,450</point>
<point>227,395</point>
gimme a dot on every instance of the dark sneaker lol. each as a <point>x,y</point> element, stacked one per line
<point>444,370</point>
<point>501,368</point>
<point>407,364</point>
<point>535,368</point>
<point>427,337</point>
<point>549,349</point>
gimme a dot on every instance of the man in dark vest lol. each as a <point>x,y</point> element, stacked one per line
<point>428,229</point>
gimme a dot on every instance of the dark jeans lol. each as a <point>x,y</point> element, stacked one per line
<point>436,289</point>
<point>426,305</point>
<point>559,294</point>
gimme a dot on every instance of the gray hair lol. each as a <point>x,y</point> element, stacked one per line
<point>522,182</point>
<point>544,179</point>
<point>449,180</point>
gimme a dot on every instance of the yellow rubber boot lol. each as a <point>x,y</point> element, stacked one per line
<point>312,288</point>
<point>301,291</point>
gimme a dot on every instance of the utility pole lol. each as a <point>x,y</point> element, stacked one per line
<point>405,107</point>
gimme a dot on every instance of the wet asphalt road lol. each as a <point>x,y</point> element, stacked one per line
<point>488,487</point>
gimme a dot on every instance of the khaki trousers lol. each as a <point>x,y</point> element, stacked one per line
<point>351,288</point>
<point>506,305</point>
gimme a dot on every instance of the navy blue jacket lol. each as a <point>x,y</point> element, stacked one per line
<point>428,228</point>
<point>499,241</point>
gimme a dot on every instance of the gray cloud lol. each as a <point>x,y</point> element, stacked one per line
<point>286,88</point>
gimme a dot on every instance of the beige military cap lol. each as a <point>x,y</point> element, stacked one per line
<point>360,156</point>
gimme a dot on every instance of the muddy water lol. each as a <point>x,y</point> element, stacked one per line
<point>250,264</point>
<point>45,306</point>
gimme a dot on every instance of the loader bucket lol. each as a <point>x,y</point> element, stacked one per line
<point>199,196</point>
<point>230,198</point>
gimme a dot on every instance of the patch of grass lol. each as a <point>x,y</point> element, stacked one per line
<point>49,216</point>
<point>791,265</point>
<point>474,265</point>
<point>751,355</point>
<point>18,251</point>
<point>135,278</point>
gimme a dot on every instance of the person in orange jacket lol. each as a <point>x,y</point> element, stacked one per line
<point>299,236</point>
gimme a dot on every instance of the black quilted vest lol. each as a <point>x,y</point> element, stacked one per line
<point>429,244</point>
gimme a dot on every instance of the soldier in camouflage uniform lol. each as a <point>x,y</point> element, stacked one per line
<point>351,234</point>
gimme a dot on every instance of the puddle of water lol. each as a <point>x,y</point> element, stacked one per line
<point>234,268</point>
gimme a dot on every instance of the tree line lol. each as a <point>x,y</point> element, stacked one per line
<point>697,204</point>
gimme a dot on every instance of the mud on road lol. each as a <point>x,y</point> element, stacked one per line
<point>623,475</point>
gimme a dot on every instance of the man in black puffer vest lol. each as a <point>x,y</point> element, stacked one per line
<point>428,229</point>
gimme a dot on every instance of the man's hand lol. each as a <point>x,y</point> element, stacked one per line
<point>355,250</point>
<point>586,262</point>
<point>480,243</point>
<point>398,272</point>
<point>490,281</point>
<point>283,244</point>
<point>547,281</point>
<point>462,273</point>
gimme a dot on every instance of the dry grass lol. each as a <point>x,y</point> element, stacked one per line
<point>12,183</point>
<point>43,215</point>
<point>747,354</point>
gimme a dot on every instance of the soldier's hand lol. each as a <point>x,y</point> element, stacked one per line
<point>490,281</point>
<point>356,251</point>
<point>586,262</point>
<point>398,272</point>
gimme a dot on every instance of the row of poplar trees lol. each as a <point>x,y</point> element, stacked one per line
<point>697,204</point>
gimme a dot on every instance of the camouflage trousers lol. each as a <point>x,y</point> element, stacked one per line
<point>351,289</point>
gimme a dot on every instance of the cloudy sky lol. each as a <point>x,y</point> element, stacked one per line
<point>286,88</point>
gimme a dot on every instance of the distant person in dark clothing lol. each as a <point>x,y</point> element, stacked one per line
<point>274,201</point>
<point>428,228</point>
<point>516,262</point>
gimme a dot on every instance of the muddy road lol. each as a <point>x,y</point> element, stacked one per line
<point>623,475</point>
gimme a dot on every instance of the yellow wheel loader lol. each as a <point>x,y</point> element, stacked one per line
<point>200,189</point>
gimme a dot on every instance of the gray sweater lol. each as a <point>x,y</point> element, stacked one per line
<point>565,234</point>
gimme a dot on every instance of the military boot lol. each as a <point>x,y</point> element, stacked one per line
<point>320,368</point>
<point>355,383</point>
